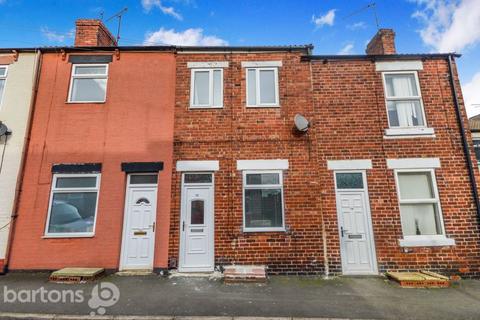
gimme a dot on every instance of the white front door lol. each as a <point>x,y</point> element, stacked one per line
<point>355,228</point>
<point>197,223</point>
<point>139,223</point>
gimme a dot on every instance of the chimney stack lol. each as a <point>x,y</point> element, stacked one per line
<point>93,33</point>
<point>382,43</point>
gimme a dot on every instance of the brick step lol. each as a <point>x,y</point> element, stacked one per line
<point>76,275</point>
<point>246,273</point>
<point>422,279</point>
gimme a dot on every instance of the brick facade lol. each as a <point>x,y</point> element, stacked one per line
<point>93,33</point>
<point>344,101</point>
<point>382,43</point>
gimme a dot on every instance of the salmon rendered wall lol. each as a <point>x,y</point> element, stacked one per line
<point>135,124</point>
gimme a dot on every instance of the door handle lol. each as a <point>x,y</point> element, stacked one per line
<point>183,226</point>
<point>153,227</point>
<point>342,231</point>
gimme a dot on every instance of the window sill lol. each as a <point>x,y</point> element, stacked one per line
<point>426,242</point>
<point>399,133</point>
<point>206,107</point>
<point>264,230</point>
<point>264,106</point>
<point>67,236</point>
<point>85,102</point>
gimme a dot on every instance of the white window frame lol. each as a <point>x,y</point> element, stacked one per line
<point>55,190</point>
<point>263,186</point>
<point>210,88</point>
<point>276,104</point>
<point>4,77</point>
<point>88,76</point>
<point>411,98</point>
<point>423,240</point>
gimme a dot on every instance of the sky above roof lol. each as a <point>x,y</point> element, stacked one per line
<point>333,26</point>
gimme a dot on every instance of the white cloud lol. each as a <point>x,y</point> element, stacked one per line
<point>326,19</point>
<point>471,95</point>
<point>189,37</point>
<point>357,25</point>
<point>149,4</point>
<point>57,36</point>
<point>347,49</point>
<point>449,25</point>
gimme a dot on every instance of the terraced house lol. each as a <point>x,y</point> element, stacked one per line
<point>197,158</point>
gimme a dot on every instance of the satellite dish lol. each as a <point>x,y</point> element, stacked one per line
<point>3,129</point>
<point>301,123</point>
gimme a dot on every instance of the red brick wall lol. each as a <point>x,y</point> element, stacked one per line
<point>134,124</point>
<point>382,43</point>
<point>235,133</point>
<point>93,33</point>
<point>350,116</point>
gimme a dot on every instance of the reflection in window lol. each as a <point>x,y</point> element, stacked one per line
<point>263,200</point>
<point>143,201</point>
<point>73,205</point>
<point>198,178</point>
<point>349,180</point>
<point>88,83</point>
<point>198,212</point>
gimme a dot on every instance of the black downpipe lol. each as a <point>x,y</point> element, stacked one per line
<point>466,149</point>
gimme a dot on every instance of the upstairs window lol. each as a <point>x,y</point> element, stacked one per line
<point>88,83</point>
<point>206,88</point>
<point>404,100</point>
<point>476,148</point>
<point>3,79</point>
<point>262,87</point>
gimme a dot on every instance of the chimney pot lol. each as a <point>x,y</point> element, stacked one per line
<point>93,33</point>
<point>382,43</point>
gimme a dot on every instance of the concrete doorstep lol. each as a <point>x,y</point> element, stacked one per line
<point>39,316</point>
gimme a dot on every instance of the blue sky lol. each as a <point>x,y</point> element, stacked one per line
<point>421,25</point>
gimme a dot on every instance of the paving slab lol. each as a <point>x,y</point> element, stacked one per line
<point>300,297</point>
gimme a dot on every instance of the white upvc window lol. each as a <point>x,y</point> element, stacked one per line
<point>73,205</point>
<point>3,80</point>
<point>262,87</point>
<point>263,208</point>
<point>206,90</point>
<point>403,99</point>
<point>419,202</point>
<point>88,83</point>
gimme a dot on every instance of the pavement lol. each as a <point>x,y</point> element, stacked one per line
<point>180,297</point>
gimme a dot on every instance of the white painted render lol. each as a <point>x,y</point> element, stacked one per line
<point>399,65</point>
<point>198,165</point>
<point>279,164</point>
<point>413,163</point>
<point>211,64</point>
<point>15,113</point>
<point>362,164</point>
<point>258,64</point>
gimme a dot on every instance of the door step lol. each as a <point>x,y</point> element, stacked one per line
<point>76,275</point>
<point>210,275</point>
<point>247,273</point>
<point>422,279</point>
<point>126,273</point>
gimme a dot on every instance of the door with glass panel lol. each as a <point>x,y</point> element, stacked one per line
<point>355,228</point>
<point>197,223</point>
<point>139,223</point>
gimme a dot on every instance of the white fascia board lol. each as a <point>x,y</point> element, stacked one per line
<point>413,163</point>
<point>399,65</point>
<point>362,164</point>
<point>262,164</point>
<point>258,64</point>
<point>211,165</point>
<point>210,64</point>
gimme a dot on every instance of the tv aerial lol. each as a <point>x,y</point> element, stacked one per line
<point>371,6</point>
<point>118,15</point>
